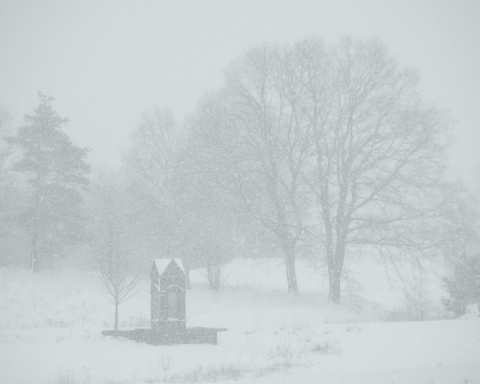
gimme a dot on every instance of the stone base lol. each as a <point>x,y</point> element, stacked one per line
<point>196,335</point>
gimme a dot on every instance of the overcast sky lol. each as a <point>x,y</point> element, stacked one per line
<point>106,62</point>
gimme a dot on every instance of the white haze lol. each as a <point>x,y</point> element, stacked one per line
<point>106,62</point>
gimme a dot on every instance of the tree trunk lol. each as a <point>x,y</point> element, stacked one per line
<point>34,254</point>
<point>188,283</point>
<point>334,294</point>
<point>335,272</point>
<point>115,326</point>
<point>291,273</point>
<point>214,275</point>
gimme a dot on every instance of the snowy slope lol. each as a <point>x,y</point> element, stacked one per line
<point>51,323</point>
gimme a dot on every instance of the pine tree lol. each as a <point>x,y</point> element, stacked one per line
<point>56,175</point>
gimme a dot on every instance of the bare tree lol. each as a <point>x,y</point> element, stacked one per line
<point>5,152</point>
<point>460,245</point>
<point>211,239</point>
<point>253,147</point>
<point>152,167</point>
<point>173,205</point>
<point>118,281</point>
<point>153,157</point>
<point>111,237</point>
<point>5,148</point>
<point>346,123</point>
<point>377,151</point>
<point>12,241</point>
<point>460,229</point>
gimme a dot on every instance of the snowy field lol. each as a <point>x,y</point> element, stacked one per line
<point>50,326</point>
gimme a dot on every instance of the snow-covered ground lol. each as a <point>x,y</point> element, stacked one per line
<point>50,326</point>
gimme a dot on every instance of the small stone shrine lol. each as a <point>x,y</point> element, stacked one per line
<point>168,310</point>
<point>168,295</point>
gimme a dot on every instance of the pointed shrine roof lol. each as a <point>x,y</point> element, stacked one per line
<point>162,264</point>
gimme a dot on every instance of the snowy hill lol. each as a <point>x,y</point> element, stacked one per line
<point>51,322</point>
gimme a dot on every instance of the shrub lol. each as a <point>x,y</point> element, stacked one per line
<point>416,304</point>
<point>463,286</point>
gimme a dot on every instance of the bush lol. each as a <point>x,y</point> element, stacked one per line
<point>463,286</point>
<point>416,305</point>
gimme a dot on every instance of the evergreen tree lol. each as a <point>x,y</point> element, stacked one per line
<point>56,173</point>
<point>463,286</point>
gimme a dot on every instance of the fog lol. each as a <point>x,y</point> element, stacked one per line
<point>107,63</point>
<point>249,191</point>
